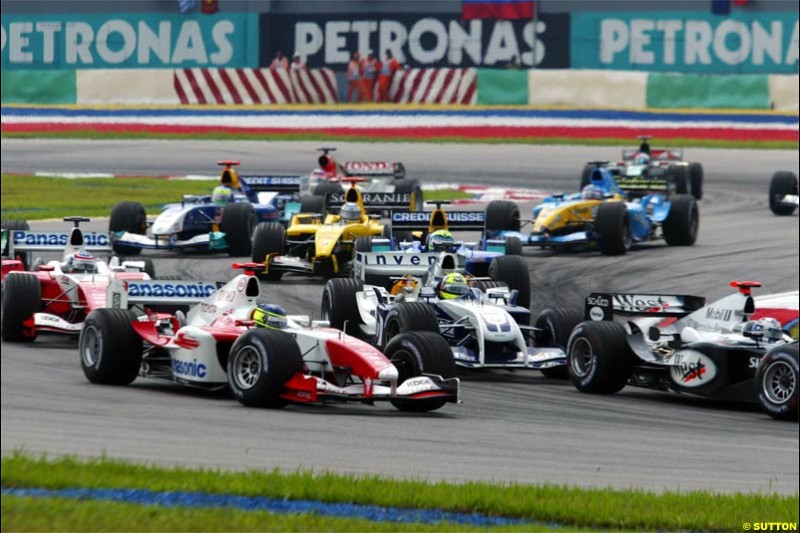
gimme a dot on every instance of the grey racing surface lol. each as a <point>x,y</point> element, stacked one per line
<point>517,426</point>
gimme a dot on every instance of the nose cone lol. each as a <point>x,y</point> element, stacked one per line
<point>388,374</point>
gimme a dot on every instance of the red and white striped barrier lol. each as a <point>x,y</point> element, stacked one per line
<point>435,86</point>
<point>255,86</point>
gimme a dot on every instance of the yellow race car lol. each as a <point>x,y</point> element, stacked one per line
<point>324,245</point>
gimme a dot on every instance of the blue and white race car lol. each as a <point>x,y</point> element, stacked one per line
<point>610,214</point>
<point>222,221</point>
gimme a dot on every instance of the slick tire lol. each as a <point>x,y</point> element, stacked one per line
<point>238,223</point>
<point>513,271</point>
<point>111,351</point>
<point>149,265</point>
<point>513,246</point>
<point>269,238</point>
<point>502,215</point>
<point>417,353</point>
<point>586,175</point>
<point>17,225</point>
<point>613,226</point>
<point>259,364</point>
<point>683,221</point>
<point>339,305</point>
<point>130,217</point>
<point>407,317</point>
<point>781,184</point>
<point>22,297</point>
<point>679,176</point>
<point>555,325</point>
<point>696,180</point>
<point>599,360</point>
<point>363,244</point>
<point>313,204</point>
<point>776,383</point>
<point>412,187</point>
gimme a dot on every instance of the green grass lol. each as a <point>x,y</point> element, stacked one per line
<point>304,136</point>
<point>37,198</point>
<point>570,506</point>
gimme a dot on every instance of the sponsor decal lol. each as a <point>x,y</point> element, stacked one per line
<point>596,314</point>
<point>28,238</point>
<point>452,217</point>
<point>369,168</point>
<point>241,285</point>
<point>645,303</point>
<point>600,301</point>
<point>690,368</point>
<point>435,40</point>
<point>158,289</point>
<point>721,315</point>
<point>208,309</point>
<point>400,259</point>
<point>375,198</point>
<point>191,369</point>
<point>271,180</point>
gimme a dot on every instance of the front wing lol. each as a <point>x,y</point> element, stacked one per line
<point>310,389</point>
<point>214,241</point>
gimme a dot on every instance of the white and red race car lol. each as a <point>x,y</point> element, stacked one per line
<point>57,295</point>
<point>266,358</point>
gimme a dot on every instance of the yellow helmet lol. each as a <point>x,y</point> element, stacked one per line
<point>453,286</point>
<point>269,316</point>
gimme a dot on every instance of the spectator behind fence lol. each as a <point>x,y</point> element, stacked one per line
<point>355,78</point>
<point>297,63</point>
<point>387,70</point>
<point>280,61</point>
<point>371,68</point>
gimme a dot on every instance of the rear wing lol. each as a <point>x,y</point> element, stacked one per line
<point>122,294</point>
<point>374,201</point>
<point>641,184</point>
<point>604,306</point>
<point>280,184</point>
<point>455,220</point>
<point>384,264</point>
<point>374,169</point>
<point>674,154</point>
<point>36,241</point>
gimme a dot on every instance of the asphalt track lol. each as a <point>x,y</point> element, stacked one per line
<point>511,426</point>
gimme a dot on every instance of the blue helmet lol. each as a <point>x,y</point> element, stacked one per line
<point>592,192</point>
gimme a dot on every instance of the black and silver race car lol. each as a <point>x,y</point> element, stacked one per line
<point>680,344</point>
<point>783,193</point>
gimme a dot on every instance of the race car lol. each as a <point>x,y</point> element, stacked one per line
<point>608,214</point>
<point>715,351</point>
<point>484,320</point>
<point>379,177</point>
<point>222,221</point>
<point>430,232</point>
<point>645,161</point>
<point>266,358</point>
<point>783,193</point>
<point>315,246</point>
<point>57,295</point>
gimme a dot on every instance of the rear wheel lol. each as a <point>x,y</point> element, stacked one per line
<point>149,266</point>
<point>22,298</point>
<point>12,226</point>
<point>269,239</point>
<point>339,305</point>
<point>111,351</point>
<point>238,223</point>
<point>598,357</point>
<point>407,317</point>
<point>259,364</point>
<point>513,271</point>
<point>782,183</point>
<point>776,383</point>
<point>613,225</point>
<point>502,215</point>
<point>696,180</point>
<point>312,204</point>
<point>513,246</point>
<point>414,354</point>
<point>679,176</point>
<point>328,187</point>
<point>363,244</point>
<point>682,222</point>
<point>412,187</point>
<point>555,325</point>
<point>586,175</point>
<point>128,217</point>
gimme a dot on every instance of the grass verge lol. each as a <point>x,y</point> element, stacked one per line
<point>37,198</point>
<point>569,506</point>
<point>305,136</point>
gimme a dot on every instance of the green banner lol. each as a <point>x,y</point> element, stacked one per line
<point>502,86</point>
<point>708,91</point>
<point>39,87</point>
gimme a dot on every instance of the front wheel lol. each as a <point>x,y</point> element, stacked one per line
<point>696,180</point>
<point>554,326</point>
<point>127,217</point>
<point>238,223</point>
<point>339,304</point>
<point>269,239</point>
<point>682,222</point>
<point>502,215</point>
<point>111,351</point>
<point>417,353</point>
<point>259,364</point>
<point>513,271</point>
<point>776,383</point>
<point>782,184</point>
<point>613,226</point>
<point>22,298</point>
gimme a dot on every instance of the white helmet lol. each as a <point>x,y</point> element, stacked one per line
<point>642,159</point>
<point>350,212</point>
<point>772,329</point>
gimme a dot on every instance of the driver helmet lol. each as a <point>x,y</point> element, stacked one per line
<point>772,329</point>
<point>350,212</point>
<point>222,195</point>
<point>269,316</point>
<point>453,286</point>
<point>83,262</point>
<point>592,192</point>
<point>440,237</point>
<point>642,159</point>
